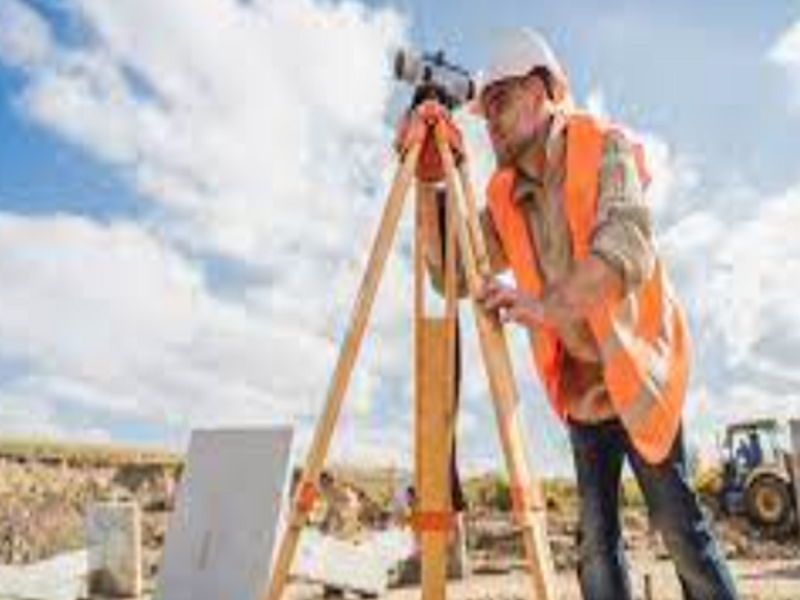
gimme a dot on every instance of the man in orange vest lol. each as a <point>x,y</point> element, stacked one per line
<point>567,215</point>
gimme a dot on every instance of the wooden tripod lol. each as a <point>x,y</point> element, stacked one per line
<point>429,142</point>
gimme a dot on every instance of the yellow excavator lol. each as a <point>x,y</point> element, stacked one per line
<point>754,477</point>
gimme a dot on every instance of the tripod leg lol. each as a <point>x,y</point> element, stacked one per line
<point>434,376</point>
<point>528,499</point>
<point>434,431</point>
<point>476,234</point>
<point>343,370</point>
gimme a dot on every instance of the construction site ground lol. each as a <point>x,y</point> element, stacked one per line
<point>758,580</point>
<point>44,492</point>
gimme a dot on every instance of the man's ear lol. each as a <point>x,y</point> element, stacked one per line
<point>544,80</point>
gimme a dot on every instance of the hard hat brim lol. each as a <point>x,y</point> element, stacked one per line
<point>560,89</point>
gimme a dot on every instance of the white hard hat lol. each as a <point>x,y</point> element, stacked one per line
<point>515,53</point>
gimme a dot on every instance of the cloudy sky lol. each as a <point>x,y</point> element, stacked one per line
<point>188,190</point>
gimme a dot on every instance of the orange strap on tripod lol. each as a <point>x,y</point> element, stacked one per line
<point>307,496</point>
<point>431,521</point>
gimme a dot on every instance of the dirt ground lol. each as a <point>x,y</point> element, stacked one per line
<point>44,492</point>
<point>756,580</point>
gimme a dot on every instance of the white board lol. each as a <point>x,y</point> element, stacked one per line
<point>221,537</point>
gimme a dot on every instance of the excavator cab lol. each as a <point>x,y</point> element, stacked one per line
<point>757,475</point>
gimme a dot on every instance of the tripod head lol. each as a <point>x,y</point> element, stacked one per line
<point>434,78</point>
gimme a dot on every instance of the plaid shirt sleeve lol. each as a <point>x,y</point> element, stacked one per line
<point>623,231</point>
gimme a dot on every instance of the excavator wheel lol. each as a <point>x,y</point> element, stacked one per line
<point>768,502</point>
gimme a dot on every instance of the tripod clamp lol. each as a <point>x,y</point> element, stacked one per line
<point>421,124</point>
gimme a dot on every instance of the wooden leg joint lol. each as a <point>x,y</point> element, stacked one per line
<point>433,521</point>
<point>526,500</point>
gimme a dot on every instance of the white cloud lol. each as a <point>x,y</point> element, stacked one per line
<point>259,133</point>
<point>112,317</point>
<point>735,270</point>
<point>25,39</point>
<point>254,131</point>
<point>233,117</point>
<point>26,416</point>
<point>785,53</point>
<point>736,255</point>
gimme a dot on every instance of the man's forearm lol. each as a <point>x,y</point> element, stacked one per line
<point>573,298</point>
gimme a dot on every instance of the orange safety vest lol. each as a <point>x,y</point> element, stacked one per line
<point>642,336</point>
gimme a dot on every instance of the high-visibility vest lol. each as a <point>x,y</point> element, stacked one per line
<point>642,335</point>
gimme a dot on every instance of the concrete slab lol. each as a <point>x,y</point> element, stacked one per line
<point>363,567</point>
<point>221,538</point>
<point>114,536</point>
<point>60,578</point>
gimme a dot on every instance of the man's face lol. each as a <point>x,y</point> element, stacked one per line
<point>515,109</point>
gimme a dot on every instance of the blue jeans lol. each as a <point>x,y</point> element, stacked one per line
<point>599,452</point>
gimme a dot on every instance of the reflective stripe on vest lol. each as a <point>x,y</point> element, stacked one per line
<point>643,338</point>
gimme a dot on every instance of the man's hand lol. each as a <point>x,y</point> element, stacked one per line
<point>511,304</point>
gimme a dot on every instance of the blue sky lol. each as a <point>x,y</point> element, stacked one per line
<point>695,71</point>
<point>718,48</point>
<point>184,205</point>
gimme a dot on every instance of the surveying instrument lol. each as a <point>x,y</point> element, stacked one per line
<point>430,150</point>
